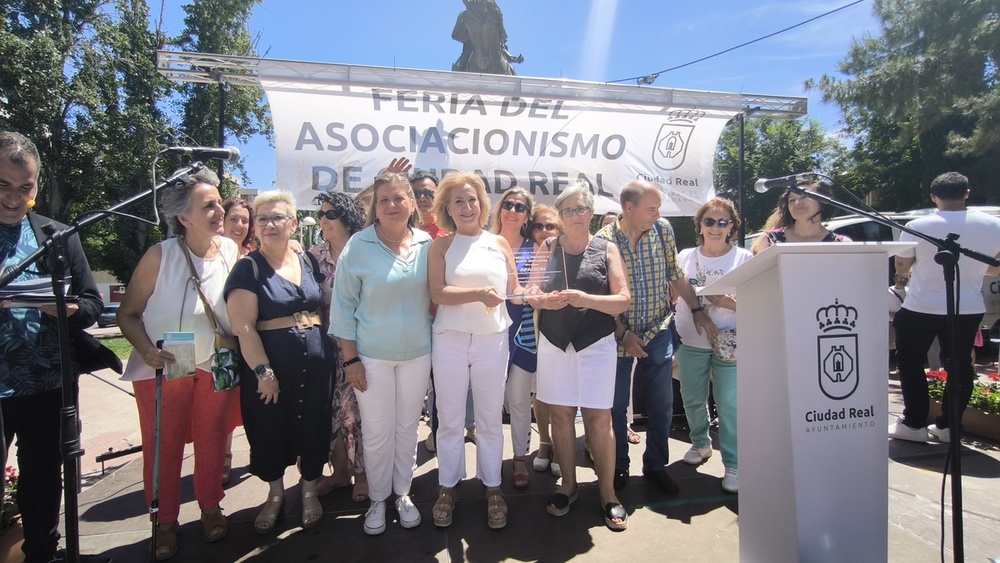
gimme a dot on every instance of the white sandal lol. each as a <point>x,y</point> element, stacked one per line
<point>542,463</point>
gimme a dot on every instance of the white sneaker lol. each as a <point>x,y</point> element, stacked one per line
<point>697,456</point>
<point>375,518</point>
<point>943,435</point>
<point>900,431</point>
<point>409,516</point>
<point>731,481</point>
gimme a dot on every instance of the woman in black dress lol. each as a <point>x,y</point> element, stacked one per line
<point>274,297</point>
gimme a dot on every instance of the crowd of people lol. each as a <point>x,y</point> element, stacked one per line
<point>423,288</point>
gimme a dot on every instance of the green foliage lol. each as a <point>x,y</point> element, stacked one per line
<point>119,346</point>
<point>771,148</point>
<point>929,79</point>
<point>220,26</point>
<point>985,396</point>
<point>79,78</point>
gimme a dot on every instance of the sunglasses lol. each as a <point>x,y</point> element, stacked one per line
<point>278,220</point>
<point>329,215</point>
<point>551,227</point>
<point>423,193</point>
<point>518,207</point>
<point>722,223</point>
<point>571,211</point>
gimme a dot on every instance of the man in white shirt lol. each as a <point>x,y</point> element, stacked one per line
<point>922,315</point>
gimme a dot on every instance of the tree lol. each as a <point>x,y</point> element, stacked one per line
<point>220,26</point>
<point>771,148</point>
<point>931,75</point>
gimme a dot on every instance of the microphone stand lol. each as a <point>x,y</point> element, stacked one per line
<point>55,248</point>
<point>947,256</point>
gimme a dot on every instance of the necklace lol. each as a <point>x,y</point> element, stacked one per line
<point>382,234</point>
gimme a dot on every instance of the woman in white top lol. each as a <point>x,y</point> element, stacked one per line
<point>470,273</point>
<point>699,358</point>
<point>162,298</point>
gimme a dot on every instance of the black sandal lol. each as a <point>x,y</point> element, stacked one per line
<point>612,511</point>
<point>559,503</point>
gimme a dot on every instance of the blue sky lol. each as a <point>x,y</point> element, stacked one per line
<point>597,40</point>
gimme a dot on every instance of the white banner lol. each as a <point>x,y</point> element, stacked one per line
<point>339,133</point>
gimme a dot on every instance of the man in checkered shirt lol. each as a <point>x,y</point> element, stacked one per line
<point>649,252</point>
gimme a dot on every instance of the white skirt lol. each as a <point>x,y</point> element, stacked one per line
<point>577,379</point>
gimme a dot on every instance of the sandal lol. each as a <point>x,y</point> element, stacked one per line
<point>331,483</point>
<point>520,477</point>
<point>227,469</point>
<point>542,463</point>
<point>214,525</point>
<point>558,504</point>
<point>496,508</point>
<point>633,438</point>
<point>445,503</point>
<point>615,511</point>
<point>166,541</point>
<point>360,493</point>
<point>312,510</point>
<point>269,514</point>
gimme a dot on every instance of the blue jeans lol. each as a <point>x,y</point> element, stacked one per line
<point>657,368</point>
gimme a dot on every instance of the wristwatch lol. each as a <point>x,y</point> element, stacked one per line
<point>264,372</point>
<point>350,362</point>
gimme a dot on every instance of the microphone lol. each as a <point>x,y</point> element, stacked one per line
<point>762,185</point>
<point>231,154</point>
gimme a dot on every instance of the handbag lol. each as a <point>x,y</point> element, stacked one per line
<point>724,345</point>
<point>225,360</point>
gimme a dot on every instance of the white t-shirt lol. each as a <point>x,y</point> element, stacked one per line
<point>706,269</point>
<point>977,231</point>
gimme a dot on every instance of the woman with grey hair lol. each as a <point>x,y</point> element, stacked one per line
<point>585,288</point>
<point>163,296</point>
<point>275,301</point>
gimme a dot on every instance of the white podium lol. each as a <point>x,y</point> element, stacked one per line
<point>812,370</point>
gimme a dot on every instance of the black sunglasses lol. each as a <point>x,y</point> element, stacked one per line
<point>519,207</point>
<point>423,193</point>
<point>329,215</point>
<point>722,223</point>
<point>546,226</point>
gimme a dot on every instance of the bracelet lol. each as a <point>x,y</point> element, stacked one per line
<point>350,362</point>
<point>266,376</point>
<point>624,334</point>
<point>697,310</point>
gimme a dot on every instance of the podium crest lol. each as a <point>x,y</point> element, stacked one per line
<point>837,350</point>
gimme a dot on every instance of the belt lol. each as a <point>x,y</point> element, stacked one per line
<point>302,320</point>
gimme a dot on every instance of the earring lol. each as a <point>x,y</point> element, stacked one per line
<point>31,203</point>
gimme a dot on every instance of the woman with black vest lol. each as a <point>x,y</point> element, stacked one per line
<point>585,289</point>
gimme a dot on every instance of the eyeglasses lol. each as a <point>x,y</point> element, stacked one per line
<point>571,211</point>
<point>278,220</point>
<point>423,193</point>
<point>516,206</point>
<point>551,227</point>
<point>329,215</point>
<point>722,223</point>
